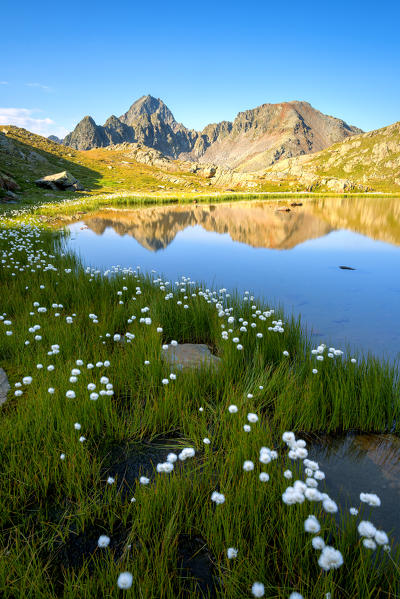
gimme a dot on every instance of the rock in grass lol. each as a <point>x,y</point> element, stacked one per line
<point>190,355</point>
<point>64,181</point>
<point>4,386</point>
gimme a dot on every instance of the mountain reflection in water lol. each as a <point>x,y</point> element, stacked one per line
<point>291,258</point>
<point>258,224</point>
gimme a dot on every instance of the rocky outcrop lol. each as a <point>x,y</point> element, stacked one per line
<point>54,138</point>
<point>60,181</point>
<point>86,135</point>
<point>7,183</point>
<point>364,162</point>
<point>4,386</point>
<point>254,140</point>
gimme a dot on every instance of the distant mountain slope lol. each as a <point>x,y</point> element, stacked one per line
<point>371,159</point>
<point>256,139</point>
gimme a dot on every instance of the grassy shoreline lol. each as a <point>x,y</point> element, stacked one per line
<point>47,503</point>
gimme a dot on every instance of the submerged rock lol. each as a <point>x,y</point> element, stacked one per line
<point>4,386</point>
<point>60,181</point>
<point>190,355</point>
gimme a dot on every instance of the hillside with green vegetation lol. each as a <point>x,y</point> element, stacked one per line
<point>370,162</point>
<point>364,163</point>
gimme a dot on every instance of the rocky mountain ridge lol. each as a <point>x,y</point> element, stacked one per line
<point>256,138</point>
<point>365,162</point>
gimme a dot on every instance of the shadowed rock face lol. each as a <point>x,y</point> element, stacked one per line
<point>256,139</point>
<point>258,225</point>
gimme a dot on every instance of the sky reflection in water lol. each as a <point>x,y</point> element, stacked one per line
<point>288,258</point>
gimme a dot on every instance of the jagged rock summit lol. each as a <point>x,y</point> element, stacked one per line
<point>256,139</point>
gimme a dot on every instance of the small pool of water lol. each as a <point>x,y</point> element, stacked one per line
<point>363,463</point>
<point>289,258</point>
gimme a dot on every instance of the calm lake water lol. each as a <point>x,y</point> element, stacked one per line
<point>291,259</point>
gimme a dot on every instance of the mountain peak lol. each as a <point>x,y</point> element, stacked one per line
<point>147,106</point>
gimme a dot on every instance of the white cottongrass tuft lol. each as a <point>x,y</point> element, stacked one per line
<point>103,541</point>
<point>125,580</point>
<point>366,529</point>
<point>232,553</point>
<point>353,511</point>
<point>312,525</point>
<point>318,543</point>
<point>371,499</point>
<point>288,474</point>
<point>381,537</point>
<point>295,595</point>
<point>144,480</point>
<point>232,409</point>
<point>248,465</point>
<point>330,558</point>
<point>218,498</point>
<point>264,477</point>
<point>369,543</point>
<point>329,505</point>
<point>252,417</point>
<point>110,480</point>
<point>188,452</point>
<point>258,589</point>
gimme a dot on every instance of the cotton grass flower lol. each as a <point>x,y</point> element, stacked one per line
<point>206,441</point>
<point>246,428</point>
<point>264,477</point>
<point>369,544</point>
<point>258,589</point>
<point>318,543</point>
<point>366,529</point>
<point>144,480</point>
<point>62,456</point>
<point>330,506</point>
<point>77,426</point>
<point>232,409</point>
<point>330,558</point>
<point>125,580</point>
<point>371,499</point>
<point>82,439</point>
<point>312,525</point>
<point>252,417</point>
<point>232,552</point>
<point>295,595</point>
<point>288,474</point>
<point>70,394</point>
<point>218,498</point>
<point>353,511</point>
<point>188,452</point>
<point>248,465</point>
<point>103,541</point>
<point>381,537</point>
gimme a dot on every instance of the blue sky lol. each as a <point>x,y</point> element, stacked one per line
<point>206,60</point>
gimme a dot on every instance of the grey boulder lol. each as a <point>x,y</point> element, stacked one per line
<point>190,355</point>
<point>60,181</point>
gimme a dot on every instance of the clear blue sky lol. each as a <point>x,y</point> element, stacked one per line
<point>206,60</point>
